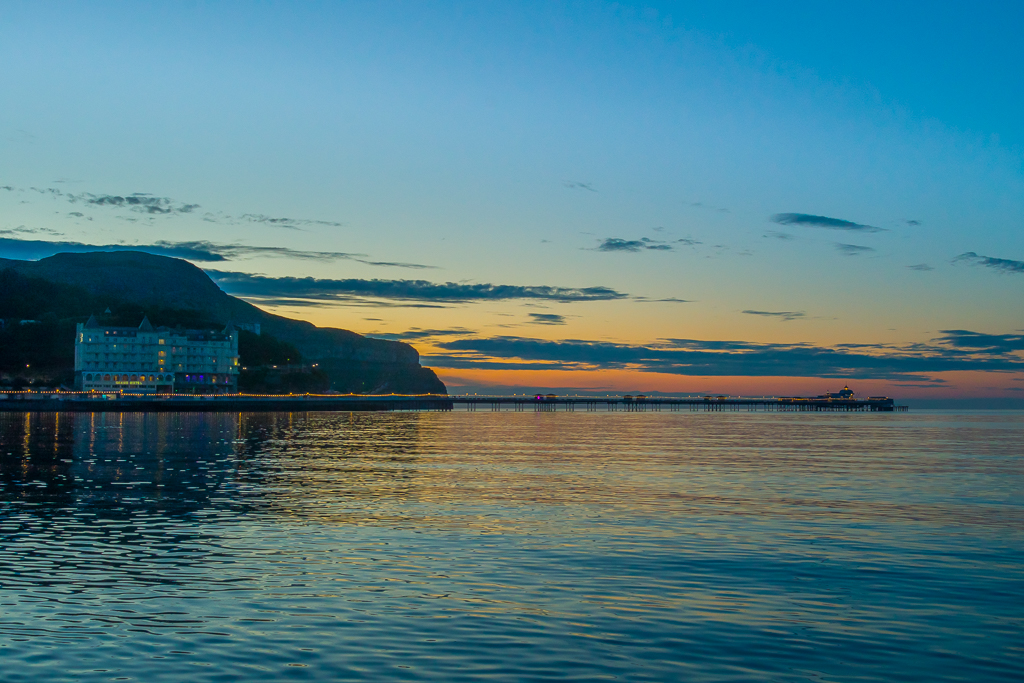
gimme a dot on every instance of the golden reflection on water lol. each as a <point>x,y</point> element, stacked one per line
<point>549,471</point>
<point>411,466</point>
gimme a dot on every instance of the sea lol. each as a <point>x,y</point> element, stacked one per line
<point>505,546</point>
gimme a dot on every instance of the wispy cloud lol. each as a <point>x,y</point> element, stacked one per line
<point>290,223</point>
<point>547,319</point>
<point>22,230</point>
<point>395,264</point>
<point>774,234</point>
<point>921,267</point>
<point>666,300</point>
<point>153,206</point>
<point>577,185</point>
<point>616,244</point>
<point>138,201</point>
<point>415,333</point>
<point>813,221</point>
<point>20,135</point>
<point>779,315</point>
<point>245,284</point>
<point>702,205</point>
<point>223,252</point>
<point>852,249</point>
<point>199,251</point>
<point>1001,264</point>
<point>912,222</point>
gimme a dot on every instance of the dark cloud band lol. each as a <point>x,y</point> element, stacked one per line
<point>1004,265</point>
<point>727,358</point>
<point>781,315</point>
<point>616,244</point>
<point>988,343</point>
<point>547,319</point>
<point>36,249</point>
<point>244,284</point>
<point>199,251</point>
<point>852,249</point>
<point>813,221</point>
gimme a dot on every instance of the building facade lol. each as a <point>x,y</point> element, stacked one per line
<point>150,360</point>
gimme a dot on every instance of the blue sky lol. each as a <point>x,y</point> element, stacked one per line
<point>651,149</point>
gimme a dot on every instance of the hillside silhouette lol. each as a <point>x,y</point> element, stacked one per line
<point>63,289</point>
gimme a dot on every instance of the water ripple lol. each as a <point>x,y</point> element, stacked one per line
<point>511,546</point>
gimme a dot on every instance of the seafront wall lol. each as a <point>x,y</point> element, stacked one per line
<point>233,404</point>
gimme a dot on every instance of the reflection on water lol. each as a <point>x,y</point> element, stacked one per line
<point>511,546</point>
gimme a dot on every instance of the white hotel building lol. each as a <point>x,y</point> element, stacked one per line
<point>145,359</point>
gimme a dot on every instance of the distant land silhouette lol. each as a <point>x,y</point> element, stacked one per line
<point>63,289</point>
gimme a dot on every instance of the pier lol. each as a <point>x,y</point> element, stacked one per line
<point>124,402</point>
<point>688,404</point>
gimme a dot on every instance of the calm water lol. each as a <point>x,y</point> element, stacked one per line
<point>512,546</point>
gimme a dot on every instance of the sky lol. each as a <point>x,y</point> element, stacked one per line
<point>738,198</point>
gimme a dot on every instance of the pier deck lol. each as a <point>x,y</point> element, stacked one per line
<point>78,402</point>
<point>589,403</point>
